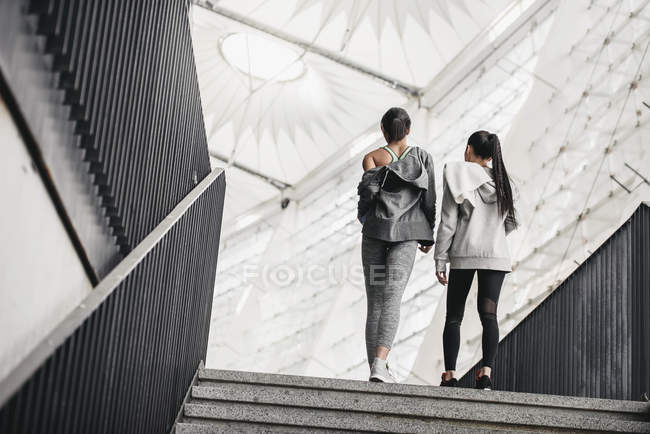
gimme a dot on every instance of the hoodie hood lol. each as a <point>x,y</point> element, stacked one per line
<point>409,173</point>
<point>488,192</point>
<point>463,178</point>
<point>404,170</point>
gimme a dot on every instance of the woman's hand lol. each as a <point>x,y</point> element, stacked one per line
<point>424,249</point>
<point>442,277</point>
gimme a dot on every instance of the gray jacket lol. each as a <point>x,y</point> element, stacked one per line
<point>472,233</point>
<point>397,202</point>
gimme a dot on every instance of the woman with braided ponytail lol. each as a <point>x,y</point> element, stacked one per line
<point>477,214</point>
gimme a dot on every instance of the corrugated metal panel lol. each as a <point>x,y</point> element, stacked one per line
<point>128,366</point>
<point>112,87</point>
<point>591,336</point>
<point>107,99</point>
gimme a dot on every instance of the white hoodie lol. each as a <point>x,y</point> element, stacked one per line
<point>472,233</point>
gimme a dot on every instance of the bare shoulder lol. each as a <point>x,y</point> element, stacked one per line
<point>378,157</point>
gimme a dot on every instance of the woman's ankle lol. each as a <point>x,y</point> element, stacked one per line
<point>448,375</point>
<point>485,370</point>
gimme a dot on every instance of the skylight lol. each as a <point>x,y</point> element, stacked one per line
<point>261,57</point>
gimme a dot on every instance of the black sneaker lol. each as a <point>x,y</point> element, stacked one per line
<point>452,382</point>
<point>483,382</point>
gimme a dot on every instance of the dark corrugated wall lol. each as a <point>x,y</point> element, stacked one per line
<point>591,336</point>
<point>110,93</point>
<point>106,99</point>
<point>127,368</point>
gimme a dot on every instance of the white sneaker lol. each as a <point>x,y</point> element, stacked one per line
<point>380,373</point>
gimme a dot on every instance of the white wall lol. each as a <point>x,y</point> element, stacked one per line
<point>41,277</point>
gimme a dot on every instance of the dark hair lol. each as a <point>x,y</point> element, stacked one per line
<point>487,145</point>
<point>396,123</point>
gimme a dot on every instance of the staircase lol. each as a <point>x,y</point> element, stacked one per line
<point>233,401</point>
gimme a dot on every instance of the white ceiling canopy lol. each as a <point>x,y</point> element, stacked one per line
<point>286,85</point>
<point>408,40</point>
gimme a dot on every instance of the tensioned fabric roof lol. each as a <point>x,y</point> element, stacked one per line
<point>359,56</point>
<point>292,94</point>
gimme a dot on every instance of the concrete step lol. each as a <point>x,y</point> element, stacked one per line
<point>230,401</point>
<point>228,426</point>
<point>309,419</point>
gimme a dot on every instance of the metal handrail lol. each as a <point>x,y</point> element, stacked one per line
<point>15,379</point>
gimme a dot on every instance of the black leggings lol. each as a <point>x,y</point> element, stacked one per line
<point>489,287</point>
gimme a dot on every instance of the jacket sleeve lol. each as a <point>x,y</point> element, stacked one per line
<point>429,200</point>
<point>367,190</point>
<point>447,228</point>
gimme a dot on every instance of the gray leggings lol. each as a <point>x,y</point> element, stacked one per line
<point>386,269</point>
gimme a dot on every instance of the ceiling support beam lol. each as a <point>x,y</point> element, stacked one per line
<point>280,185</point>
<point>406,89</point>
